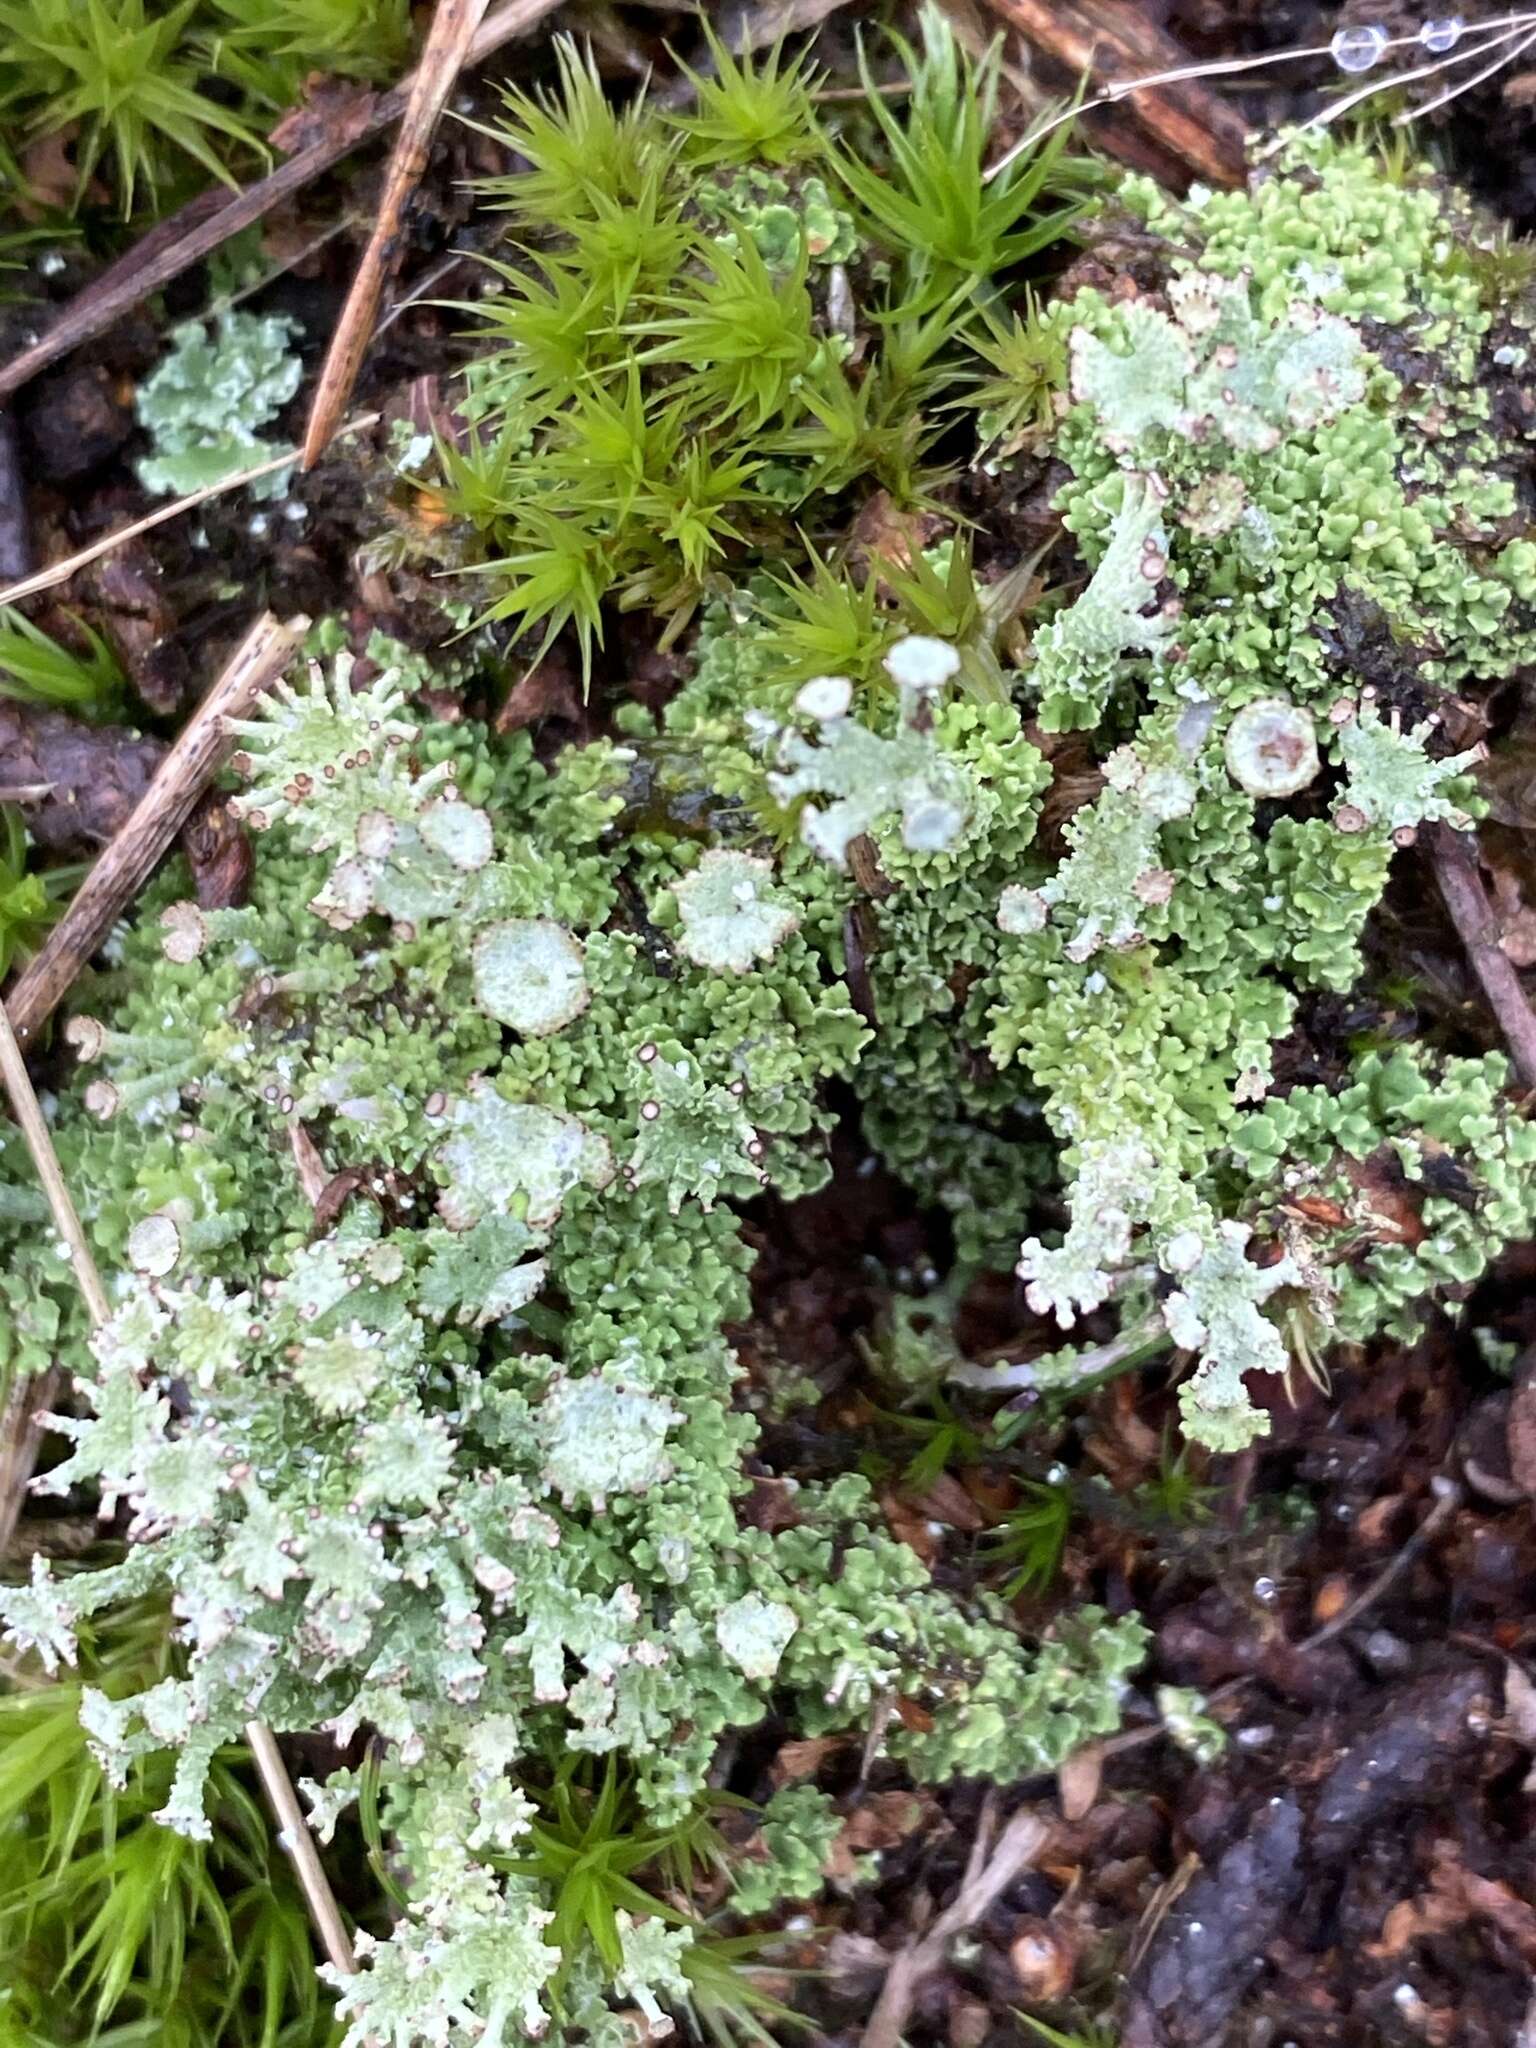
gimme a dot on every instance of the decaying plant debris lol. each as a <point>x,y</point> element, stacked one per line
<point>806,1206</point>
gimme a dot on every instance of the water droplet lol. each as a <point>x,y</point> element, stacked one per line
<point>1357,49</point>
<point>1442,35</point>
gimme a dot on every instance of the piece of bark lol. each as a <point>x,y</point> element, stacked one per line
<point>211,219</point>
<point>219,854</point>
<point>94,775</point>
<point>1212,1945</point>
<point>1413,1752</point>
<point>161,812</point>
<point>1108,41</point>
<point>15,528</point>
<point>126,588</point>
<point>21,1436</point>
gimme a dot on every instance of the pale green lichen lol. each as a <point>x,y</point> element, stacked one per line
<point>465,1468</point>
<point>496,1512</point>
<point>730,913</point>
<point>529,973</point>
<point>204,404</point>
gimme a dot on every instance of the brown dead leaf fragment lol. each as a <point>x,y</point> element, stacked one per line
<point>1078,1779</point>
<point>548,690</point>
<point>1455,1897</point>
<point>310,1167</point>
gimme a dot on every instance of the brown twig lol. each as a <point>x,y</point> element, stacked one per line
<point>202,227</point>
<point>1454,858</point>
<point>60,572</point>
<point>1113,42</point>
<point>989,1873</point>
<point>294,1835</point>
<point>161,812</point>
<point>447,47</point>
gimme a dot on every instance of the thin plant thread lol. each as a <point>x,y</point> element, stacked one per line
<point>293,1833</point>
<point>1472,41</point>
<point>1336,111</point>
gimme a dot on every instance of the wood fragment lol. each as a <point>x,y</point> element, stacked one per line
<point>159,815</point>
<point>205,225</point>
<point>294,1834</point>
<point>988,1875</point>
<point>1110,41</point>
<point>447,47</point>
<point>1453,856</point>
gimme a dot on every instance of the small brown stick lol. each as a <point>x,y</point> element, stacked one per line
<point>987,1876</point>
<point>196,231</point>
<point>448,40</point>
<point>60,572</point>
<point>21,1436</point>
<point>1117,43</point>
<point>159,815</point>
<point>295,1836</point>
<point>1454,858</point>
